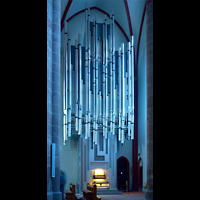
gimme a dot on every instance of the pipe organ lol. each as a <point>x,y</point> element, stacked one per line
<point>102,78</point>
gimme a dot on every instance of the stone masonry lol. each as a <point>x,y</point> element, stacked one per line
<point>53,96</point>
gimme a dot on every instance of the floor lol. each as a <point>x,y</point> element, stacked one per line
<point>130,196</point>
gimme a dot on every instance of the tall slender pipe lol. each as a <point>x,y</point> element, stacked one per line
<point>76,90</point>
<point>80,83</point>
<point>111,85</point>
<point>106,74</point>
<point>89,118</point>
<point>94,88</point>
<point>124,93</point>
<point>120,95</point>
<point>64,102</point>
<point>129,89</point>
<point>64,128</point>
<point>89,93</point>
<point>66,81</point>
<point>86,101</point>
<point>104,87</point>
<point>64,88</point>
<point>100,107</point>
<point>86,72</point>
<point>70,84</point>
<point>96,64</point>
<point>111,75</point>
<point>113,66</point>
<point>132,77</point>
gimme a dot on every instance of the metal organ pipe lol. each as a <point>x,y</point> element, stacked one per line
<point>103,83</point>
<point>111,84</point>
<point>106,74</point>
<point>96,79</point>
<point>113,67</point>
<point>70,85</point>
<point>93,64</point>
<point>124,94</point>
<point>98,69</point>
<point>66,82</point>
<point>111,75</point>
<point>86,74</point>
<point>100,106</point>
<point>76,90</point>
<point>129,89</point>
<point>80,83</point>
<point>64,88</point>
<point>120,95</point>
<point>89,92</point>
<point>104,105</point>
<point>132,92</point>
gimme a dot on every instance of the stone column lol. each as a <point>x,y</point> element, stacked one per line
<point>149,47</point>
<point>53,96</point>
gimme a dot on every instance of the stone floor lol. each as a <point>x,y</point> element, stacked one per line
<point>130,196</point>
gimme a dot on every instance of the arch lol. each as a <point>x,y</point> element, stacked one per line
<point>91,8</point>
<point>127,168</point>
<point>140,32</point>
<point>128,17</point>
<point>140,161</point>
<point>65,13</point>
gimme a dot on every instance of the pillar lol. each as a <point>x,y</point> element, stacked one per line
<point>135,141</point>
<point>53,96</point>
<point>149,54</point>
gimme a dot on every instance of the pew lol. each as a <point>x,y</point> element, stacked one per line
<point>70,194</point>
<point>91,192</point>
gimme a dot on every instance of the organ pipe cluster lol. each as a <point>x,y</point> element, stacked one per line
<point>100,106</point>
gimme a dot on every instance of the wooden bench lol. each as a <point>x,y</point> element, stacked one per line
<point>88,194</point>
<point>91,192</point>
<point>70,194</point>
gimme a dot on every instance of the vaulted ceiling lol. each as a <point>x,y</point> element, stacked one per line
<point>128,13</point>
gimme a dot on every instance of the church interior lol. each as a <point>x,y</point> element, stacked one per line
<point>99,98</point>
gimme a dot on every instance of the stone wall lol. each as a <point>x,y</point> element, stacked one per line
<point>53,96</point>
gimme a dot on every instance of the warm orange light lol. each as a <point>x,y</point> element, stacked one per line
<point>99,180</point>
<point>99,172</point>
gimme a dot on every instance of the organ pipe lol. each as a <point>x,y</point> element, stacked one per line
<point>104,107</point>
<point>96,80</point>
<point>113,66</point>
<point>64,88</point>
<point>111,76</point>
<point>89,118</point>
<point>80,84</point>
<point>89,92</point>
<point>129,90</point>
<point>132,75</point>
<point>93,64</point>
<point>76,90</point>
<point>120,95</point>
<point>106,74</point>
<point>124,93</point>
<point>103,83</point>
<point>70,85</point>
<point>100,107</point>
<point>66,82</point>
<point>86,73</point>
<point>111,84</point>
